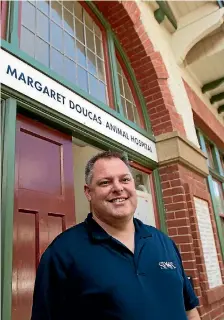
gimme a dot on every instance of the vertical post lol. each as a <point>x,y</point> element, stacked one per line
<point>8,179</point>
<point>14,24</point>
<point>159,199</point>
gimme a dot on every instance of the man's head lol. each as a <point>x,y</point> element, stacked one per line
<point>110,187</point>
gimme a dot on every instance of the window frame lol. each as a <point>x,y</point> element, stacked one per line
<point>4,14</point>
<point>215,174</point>
<point>152,183</point>
<point>113,109</point>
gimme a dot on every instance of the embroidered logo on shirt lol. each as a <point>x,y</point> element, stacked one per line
<point>167,265</point>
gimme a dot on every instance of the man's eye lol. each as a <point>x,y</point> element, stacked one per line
<point>127,179</point>
<point>104,183</point>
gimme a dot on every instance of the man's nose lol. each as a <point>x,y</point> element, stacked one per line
<point>117,186</point>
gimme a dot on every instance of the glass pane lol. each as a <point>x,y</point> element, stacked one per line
<point>56,36</point>
<point>43,6</point>
<point>27,41</point>
<point>42,26</point>
<point>130,111</point>
<point>218,197</point>
<point>56,61</point>
<point>81,54</point>
<point>70,70</point>
<point>93,86</point>
<point>28,15</point>
<point>102,96</point>
<point>127,90</point>
<point>97,31</point>
<point>82,78</point>
<point>141,181</point>
<point>124,107</point>
<point>68,22</point>
<point>137,119</point>
<point>42,52</point>
<point>101,73</point>
<point>121,85</point>
<point>90,40</point>
<point>91,62</point>
<point>209,154</point>
<point>69,46</point>
<point>119,68</point>
<point>69,5</point>
<point>56,12</point>
<point>79,30</point>
<point>88,20</point>
<point>99,47</point>
<point>78,10</point>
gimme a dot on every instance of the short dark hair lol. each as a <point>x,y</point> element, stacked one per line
<point>103,155</point>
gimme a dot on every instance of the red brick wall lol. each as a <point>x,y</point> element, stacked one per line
<point>205,119</point>
<point>150,71</point>
<point>180,185</point>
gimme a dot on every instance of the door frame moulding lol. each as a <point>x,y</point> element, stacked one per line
<point>7,206</point>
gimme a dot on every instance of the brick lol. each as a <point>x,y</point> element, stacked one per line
<point>165,185</point>
<point>187,256</point>
<point>179,198</point>
<point>175,206</point>
<point>181,214</point>
<point>172,231</point>
<point>177,223</point>
<point>186,247</point>
<point>167,192</point>
<point>168,200</point>
<point>183,230</point>
<point>189,265</point>
<point>182,239</point>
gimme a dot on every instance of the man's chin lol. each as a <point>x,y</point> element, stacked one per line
<point>122,214</point>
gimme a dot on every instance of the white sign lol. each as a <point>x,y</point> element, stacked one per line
<point>23,78</point>
<point>144,210</point>
<point>208,243</point>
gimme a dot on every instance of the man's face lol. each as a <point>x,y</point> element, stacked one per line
<point>112,190</point>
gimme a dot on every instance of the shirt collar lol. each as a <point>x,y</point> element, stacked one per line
<point>99,234</point>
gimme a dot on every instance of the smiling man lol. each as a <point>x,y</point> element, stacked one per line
<point>112,266</point>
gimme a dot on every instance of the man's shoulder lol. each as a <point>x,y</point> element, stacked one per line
<point>70,237</point>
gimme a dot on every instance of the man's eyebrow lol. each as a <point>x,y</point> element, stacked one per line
<point>111,177</point>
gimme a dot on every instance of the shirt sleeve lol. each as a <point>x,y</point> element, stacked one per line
<point>50,288</point>
<point>190,299</point>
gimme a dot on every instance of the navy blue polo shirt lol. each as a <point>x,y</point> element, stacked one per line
<point>87,274</point>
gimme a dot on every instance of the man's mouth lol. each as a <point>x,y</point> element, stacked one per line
<point>118,200</point>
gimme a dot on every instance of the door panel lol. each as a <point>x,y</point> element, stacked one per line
<point>44,203</point>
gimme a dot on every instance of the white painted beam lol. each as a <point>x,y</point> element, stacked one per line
<point>193,27</point>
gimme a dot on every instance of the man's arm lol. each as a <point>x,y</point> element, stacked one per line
<point>193,314</point>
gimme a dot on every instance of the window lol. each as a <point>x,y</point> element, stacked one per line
<point>209,149</point>
<point>4,14</point>
<point>219,200</point>
<point>216,180</point>
<point>66,37</point>
<point>63,37</point>
<point>146,210</point>
<point>129,106</point>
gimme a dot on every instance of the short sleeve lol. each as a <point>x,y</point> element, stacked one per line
<point>190,299</point>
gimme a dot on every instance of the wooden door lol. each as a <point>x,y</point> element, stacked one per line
<point>44,203</point>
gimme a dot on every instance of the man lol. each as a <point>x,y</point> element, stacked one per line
<point>112,266</point>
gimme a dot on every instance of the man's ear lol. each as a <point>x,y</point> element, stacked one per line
<point>87,192</point>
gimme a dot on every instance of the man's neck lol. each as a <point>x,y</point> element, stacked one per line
<point>117,229</point>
